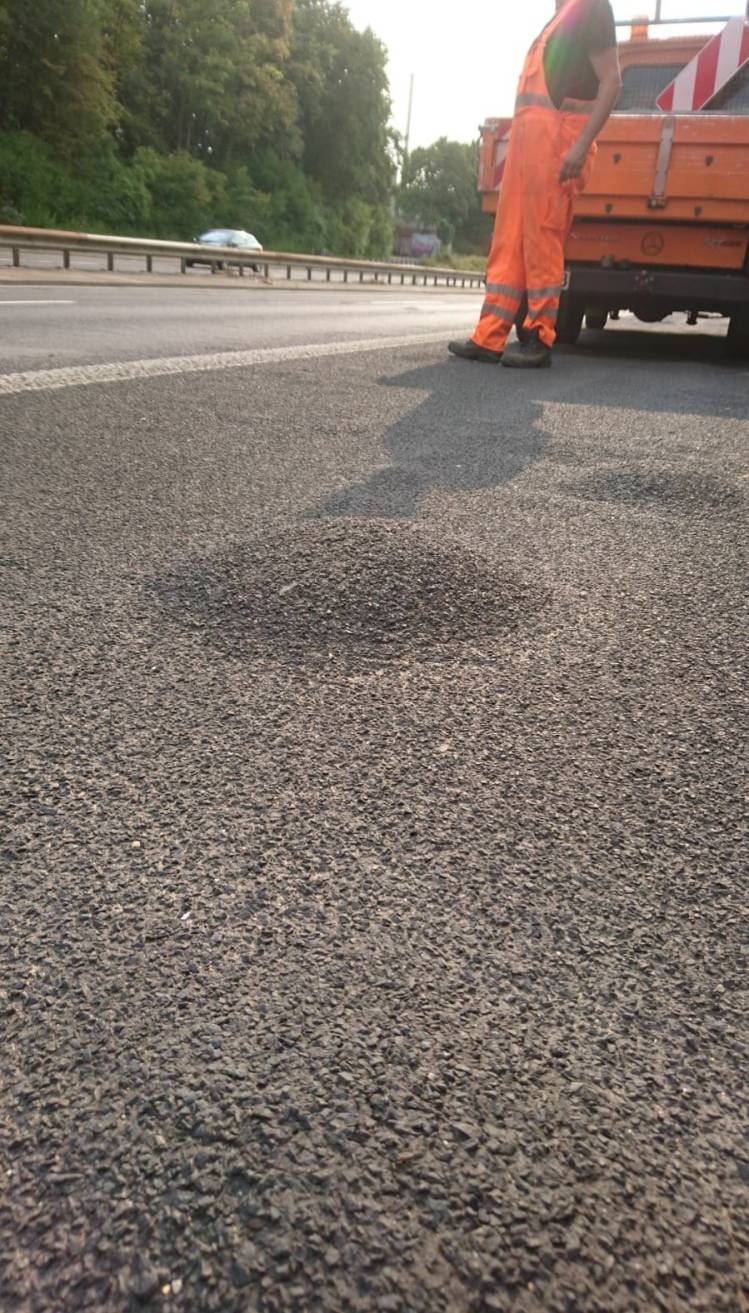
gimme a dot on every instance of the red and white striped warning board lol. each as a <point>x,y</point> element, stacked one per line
<point>709,71</point>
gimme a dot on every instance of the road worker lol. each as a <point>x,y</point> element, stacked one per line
<point>568,87</point>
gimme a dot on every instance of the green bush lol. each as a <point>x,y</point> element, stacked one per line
<point>177,197</point>
<point>33,185</point>
<point>475,264</point>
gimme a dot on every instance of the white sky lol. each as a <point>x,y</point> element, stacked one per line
<point>466,54</point>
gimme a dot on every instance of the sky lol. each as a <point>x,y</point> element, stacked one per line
<point>465,55</point>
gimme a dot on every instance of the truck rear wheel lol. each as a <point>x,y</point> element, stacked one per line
<point>596,319</point>
<point>738,335</point>
<point>570,320</point>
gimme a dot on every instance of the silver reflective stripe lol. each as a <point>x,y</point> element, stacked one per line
<point>501,289</point>
<point>498,311</point>
<point>549,315</point>
<point>530,98</point>
<point>571,106</point>
<point>543,293</point>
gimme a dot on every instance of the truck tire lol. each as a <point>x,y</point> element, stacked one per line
<point>738,335</point>
<point>570,320</point>
<point>596,320</point>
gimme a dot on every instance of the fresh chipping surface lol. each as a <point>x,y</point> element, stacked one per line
<point>373,922</point>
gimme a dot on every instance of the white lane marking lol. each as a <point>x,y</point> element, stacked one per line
<point>38,301</point>
<point>46,380</point>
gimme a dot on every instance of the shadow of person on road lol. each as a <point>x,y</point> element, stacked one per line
<point>477,427</point>
<point>459,439</point>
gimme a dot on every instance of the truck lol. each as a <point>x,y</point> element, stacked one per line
<point>663,226</point>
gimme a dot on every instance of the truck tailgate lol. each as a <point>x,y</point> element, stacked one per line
<point>670,167</point>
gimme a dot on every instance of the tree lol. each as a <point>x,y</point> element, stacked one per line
<point>344,105</point>
<point>439,189</point>
<point>54,81</point>
<point>123,36</point>
<point>4,33</point>
<point>212,81</point>
<point>172,115</point>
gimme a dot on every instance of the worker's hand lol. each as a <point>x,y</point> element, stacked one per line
<point>573,162</point>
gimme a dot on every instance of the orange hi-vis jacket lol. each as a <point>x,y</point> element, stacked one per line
<point>534,215</point>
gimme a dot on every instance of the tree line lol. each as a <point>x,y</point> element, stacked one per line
<point>165,117</point>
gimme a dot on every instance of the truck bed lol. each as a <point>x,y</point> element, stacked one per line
<point>704,161</point>
<point>665,190</point>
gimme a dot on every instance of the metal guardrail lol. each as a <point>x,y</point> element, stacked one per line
<point>49,239</point>
<point>675,22</point>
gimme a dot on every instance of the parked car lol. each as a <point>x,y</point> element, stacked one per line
<point>235,237</point>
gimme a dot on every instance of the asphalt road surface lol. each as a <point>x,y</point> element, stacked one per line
<point>373,925</point>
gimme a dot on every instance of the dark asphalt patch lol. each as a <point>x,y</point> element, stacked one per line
<point>685,493</point>
<point>347,591</point>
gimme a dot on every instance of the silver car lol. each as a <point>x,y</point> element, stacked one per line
<point>234,237</point>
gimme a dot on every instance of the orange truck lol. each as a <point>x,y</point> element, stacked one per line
<point>663,226</point>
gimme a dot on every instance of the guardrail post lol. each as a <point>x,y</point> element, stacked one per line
<point>183,265</point>
<point>361,276</point>
<point>345,275</point>
<point>16,256</point>
<point>149,264</point>
<point>327,275</point>
<point>66,259</point>
<point>266,271</point>
<point>288,271</point>
<point>309,274</point>
<point>110,262</point>
<point>403,279</point>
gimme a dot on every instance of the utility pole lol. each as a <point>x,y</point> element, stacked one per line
<point>407,141</point>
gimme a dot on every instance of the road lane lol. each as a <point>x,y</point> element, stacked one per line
<point>373,909</point>
<point>133,323</point>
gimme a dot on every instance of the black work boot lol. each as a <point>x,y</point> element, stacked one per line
<point>472,351</point>
<point>530,354</point>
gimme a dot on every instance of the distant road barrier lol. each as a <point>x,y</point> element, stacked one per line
<point>48,239</point>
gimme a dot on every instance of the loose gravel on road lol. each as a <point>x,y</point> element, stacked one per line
<point>373,924</point>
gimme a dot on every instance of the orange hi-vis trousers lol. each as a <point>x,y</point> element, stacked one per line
<point>534,215</point>
<point>534,218</point>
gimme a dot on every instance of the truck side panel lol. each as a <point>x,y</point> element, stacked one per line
<point>673,245</point>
